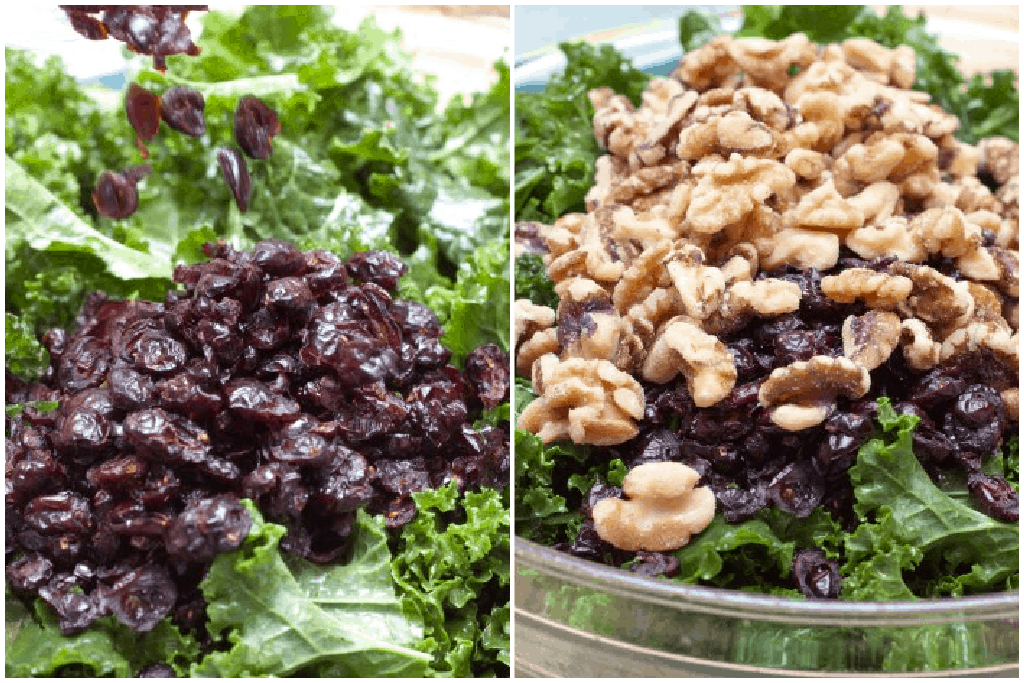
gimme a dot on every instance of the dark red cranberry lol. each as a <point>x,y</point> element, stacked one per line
<point>183,111</point>
<point>116,195</point>
<point>236,175</point>
<point>256,124</point>
<point>815,575</point>
<point>143,109</point>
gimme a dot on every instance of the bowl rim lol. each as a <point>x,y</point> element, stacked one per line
<point>742,604</point>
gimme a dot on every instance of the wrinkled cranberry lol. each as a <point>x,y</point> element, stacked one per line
<point>655,564</point>
<point>208,527</point>
<point>158,670</point>
<point>488,373</point>
<point>815,575</point>
<point>256,124</point>
<point>379,267</point>
<point>116,194</point>
<point>797,489</point>
<point>236,175</point>
<point>30,572</point>
<point>183,111</point>
<point>143,109</point>
<point>995,496</point>
<point>141,598</point>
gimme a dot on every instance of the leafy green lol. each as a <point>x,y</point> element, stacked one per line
<point>913,519</point>
<point>702,558</point>
<point>555,147</point>
<point>454,576</point>
<point>284,616</point>
<point>23,354</point>
<point>542,487</point>
<point>34,646</point>
<point>532,281</point>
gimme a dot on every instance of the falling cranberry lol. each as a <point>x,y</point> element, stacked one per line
<point>256,124</point>
<point>116,195</point>
<point>143,108</point>
<point>155,30</point>
<point>236,173</point>
<point>183,111</point>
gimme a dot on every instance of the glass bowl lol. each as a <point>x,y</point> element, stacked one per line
<point>580,619</point>
<point>575,618</point>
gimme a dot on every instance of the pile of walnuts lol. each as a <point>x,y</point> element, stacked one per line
<point>779,233</point>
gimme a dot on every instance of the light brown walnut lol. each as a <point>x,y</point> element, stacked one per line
<point>803,394</point>
<point>663,510</point>
<point>683,348</point>
<point>870,339</point>
<point>588,401</point>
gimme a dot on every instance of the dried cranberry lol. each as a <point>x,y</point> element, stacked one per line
<point>289,294</point>
<point>208,527</point>
<point>379,267</point>
<point>995,496</point>
<point>487,370</point>
<point>163,436</point>
<point>655,564</point>
<point>256,124</point>
<point>236,175</point>
<point>75,611</point>
<point>59,513</point>
<point>598,492</point>
<point>89,27</point>
<point>183,111</point>
<point>30,572</point>
<point>252,400</point>
<point>116,194</point>
<point>158,670</point>
<point>797,489</point>
<point>143,109</point>
<point>815,575</point>
<point>739,504</point>
<point>141,598</point>
<point>658,445</point>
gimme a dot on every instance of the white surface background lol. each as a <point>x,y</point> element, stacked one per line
<point>459,50</point>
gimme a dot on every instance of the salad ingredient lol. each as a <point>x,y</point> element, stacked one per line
<point>144,111</point>
<point>236,175</point>
<point>815,575</point>
<point>117,195</point>
<point>182,110</point>
<point>156,30</point>
<point>586,400</point>
<point>663,509</point>
<point>256,124</point>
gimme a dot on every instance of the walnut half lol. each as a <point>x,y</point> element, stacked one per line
<point>803,394</point>
<point>663,511</point>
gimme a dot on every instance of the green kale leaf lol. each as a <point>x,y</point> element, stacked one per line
<point>290,616</point>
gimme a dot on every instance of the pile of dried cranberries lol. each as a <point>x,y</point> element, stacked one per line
<point>291,378</point>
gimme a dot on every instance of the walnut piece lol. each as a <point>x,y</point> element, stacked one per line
<point>588,401</point>
<point>803,394</point>
<point>919,349</point>
<point>705,362</point>
<point>540,343</point>
<point>664,509</point>
<point>877,290</point>
<point>870,339</point>
<point>531,318</point>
